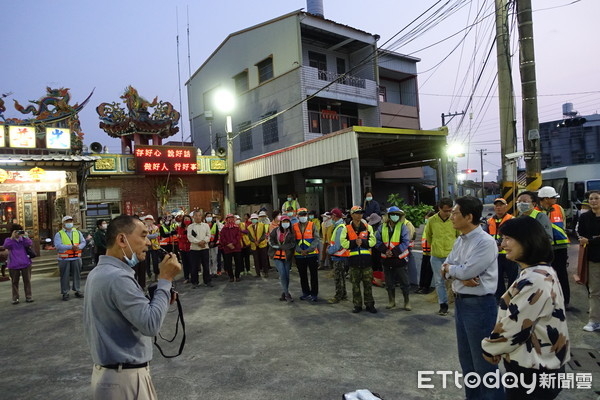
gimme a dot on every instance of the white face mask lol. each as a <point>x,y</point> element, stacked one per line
<point>285,225</point>
<point>69,225</point>
<point>303,219</point>
<point>524,207</point>
<point>368,198</point>
<point>104,226</point>
<point>209,219</point>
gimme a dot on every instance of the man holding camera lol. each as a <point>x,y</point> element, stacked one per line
<point>69,243</point>
<point>119,321</point>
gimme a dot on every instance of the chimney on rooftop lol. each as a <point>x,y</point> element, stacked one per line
<point>315,7</point>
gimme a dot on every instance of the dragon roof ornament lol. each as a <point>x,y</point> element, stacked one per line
<point>136,117</point>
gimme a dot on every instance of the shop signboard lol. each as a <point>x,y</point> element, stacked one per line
<point>2,142</point>
<point>58,138</point>
<point>22,136</point>
<point>164,160</point>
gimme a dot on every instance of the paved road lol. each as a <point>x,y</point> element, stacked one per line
<point>243,343</point>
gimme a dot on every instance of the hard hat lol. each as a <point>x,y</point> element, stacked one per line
<point>356,210</point>
<point>394,210</point>
<point>546,192</point>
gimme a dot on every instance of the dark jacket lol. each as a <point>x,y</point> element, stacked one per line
<point>372,207</point>
<point>231,235</point>
<point>589,226</point>
<point>100,241</point>
<point>289,243</point>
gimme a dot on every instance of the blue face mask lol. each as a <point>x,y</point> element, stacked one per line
<point>303,219</point>
<point>69,225</point>
<point>133,261</point>
<point>395,218</point>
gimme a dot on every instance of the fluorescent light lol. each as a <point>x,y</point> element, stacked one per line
<point>10,160</point>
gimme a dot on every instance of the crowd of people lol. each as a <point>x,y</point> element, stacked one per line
<point>507,273</point>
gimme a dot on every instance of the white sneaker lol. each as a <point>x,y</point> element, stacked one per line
<point>591,327</point>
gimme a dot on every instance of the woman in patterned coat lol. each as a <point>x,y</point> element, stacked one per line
<point>531,330</point>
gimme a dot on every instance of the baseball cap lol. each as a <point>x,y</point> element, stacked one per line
<point>262,214</point>
<point>66,218</point>
<point>356,210</point>
<point>501,200</point>
<point>254,216</point>
<point>284,218</point>
<point>546,192</point>
<point>336,212</point>
<point>230,216</point>
<point>301,211</point>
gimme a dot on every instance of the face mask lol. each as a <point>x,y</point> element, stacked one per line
<point>303,219</point>
<point>69,225</point>
<point>237,221</point>
<point>254,221</point>
<point>395,218</point>
<point>187,222</point>
<point>290,214</point>
<point>311,217</point>
<point>104,226</point>
<point>133,261</point>
<point>289,199</point>
<point>285,225</point>
<point>369,198</point>
<point>524,207</point>
<point>209,219</point>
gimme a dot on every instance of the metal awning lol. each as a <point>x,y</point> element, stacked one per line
<point>379,148</point>
<point>47,161</point>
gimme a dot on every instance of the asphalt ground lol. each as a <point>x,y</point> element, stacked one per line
<point>243,343</point>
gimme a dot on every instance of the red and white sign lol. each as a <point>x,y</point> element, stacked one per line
<point>163,160</point>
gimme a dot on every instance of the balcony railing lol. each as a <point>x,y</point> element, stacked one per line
<point>340,78</point>
<point>347,88</point>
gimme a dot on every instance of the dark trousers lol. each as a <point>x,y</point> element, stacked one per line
<point>261,260</point>
<point>15,274</point>
<point>219,260</point>
<point>199,258</point>
<point>97,253</point>
<point>152,256</point>
<point>304,265</point>
<point>396,270</point>
<point>560,266</point>
<point>507,268</point>
<point>246,251</point>
<point>426,273</point>
<point>538,393</point>
<point>228,259</point>
<point>186,261</point>
<point>140,272</point>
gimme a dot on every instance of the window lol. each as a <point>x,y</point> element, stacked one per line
<point>314,122</point>
<point>318,61</point>
<point>270,130</point>
<point>265,70</point>
<point>382,94</point>
<point>341,65</point>
<point>245,137</point>
<point>241,82</point>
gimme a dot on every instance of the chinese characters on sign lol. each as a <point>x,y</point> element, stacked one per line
<point>58,138</point>
<point>162,160</point>
<point>22,136</point>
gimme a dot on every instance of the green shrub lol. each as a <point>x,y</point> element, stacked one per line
<point>415,214</point>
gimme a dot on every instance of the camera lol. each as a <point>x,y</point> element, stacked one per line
<point>21,232</point>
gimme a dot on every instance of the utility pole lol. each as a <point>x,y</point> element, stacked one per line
<point>508,133</point>
<point>482,152</point>
<point>452,163</point>
<point>531,134</point>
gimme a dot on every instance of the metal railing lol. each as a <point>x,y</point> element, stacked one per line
<point>348,80</point>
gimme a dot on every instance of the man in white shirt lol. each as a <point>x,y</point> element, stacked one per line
<point>198,234</point>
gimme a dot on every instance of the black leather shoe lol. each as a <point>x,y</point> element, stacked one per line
<point>372,310</point>
<point>356,310</point>
<point>79,295</point>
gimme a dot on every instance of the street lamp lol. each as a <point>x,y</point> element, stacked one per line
<point>225,102</point>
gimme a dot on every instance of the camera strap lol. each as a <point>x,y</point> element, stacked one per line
<point>179,319</point>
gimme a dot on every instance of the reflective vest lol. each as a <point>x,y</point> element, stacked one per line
<point>154,242</point>
<point>64,238</point>
<point>494,224</point>
<point>258,234</point>
<point>293,203</point>
<point>558,226</point>
<point>352,236</point>
<point>394,241</point>
<point>279,253</point>
<point>165,241</point>
<point>425,246</point>
<point>342,252</point>
<point>305,237</point>
<point>214,233</point>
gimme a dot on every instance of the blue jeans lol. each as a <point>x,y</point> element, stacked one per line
<point>475,318</point>
<point>440,286</point>
<point>283,267</point>
<point>68,268</point>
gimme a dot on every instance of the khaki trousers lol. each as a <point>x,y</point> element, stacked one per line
<point>124,384</point>
<point>594,288</point>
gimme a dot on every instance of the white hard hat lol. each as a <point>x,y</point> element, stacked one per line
<point>547,191</point>
<point>66,218</point>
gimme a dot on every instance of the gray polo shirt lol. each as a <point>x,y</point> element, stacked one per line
<point>474,255</point>
<point>118,320</point>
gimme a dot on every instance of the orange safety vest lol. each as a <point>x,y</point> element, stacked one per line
<point>364,235</point>
<point>165,241</point>
<point>341,252</point>
<point>305,238</point>
<point>65,240</point>
<point>558,225</point>
<point>494,225</point>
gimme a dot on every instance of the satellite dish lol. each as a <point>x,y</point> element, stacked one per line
<point>96,147</point>
<point>221,152</point>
